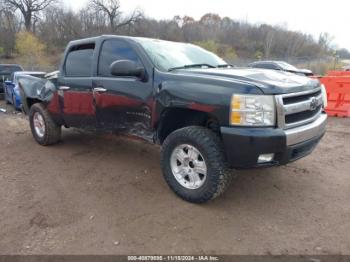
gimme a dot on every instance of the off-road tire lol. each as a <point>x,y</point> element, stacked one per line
<point>52,130</point>
<point>211,148</point>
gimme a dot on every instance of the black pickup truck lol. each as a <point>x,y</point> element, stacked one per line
<point>208,116</point>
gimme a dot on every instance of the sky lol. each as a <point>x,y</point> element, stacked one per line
<point>308,16</point>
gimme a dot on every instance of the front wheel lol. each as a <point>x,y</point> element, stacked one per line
<point>45,131</point>
<point>194,164</point>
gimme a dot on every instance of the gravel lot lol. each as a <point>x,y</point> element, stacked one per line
<point>106,195</point>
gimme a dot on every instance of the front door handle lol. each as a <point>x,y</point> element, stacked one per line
<point>64,88</point>
<point>99,89</point>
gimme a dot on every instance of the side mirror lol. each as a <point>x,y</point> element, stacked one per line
<point>127,68</point>
<point>8,82</point>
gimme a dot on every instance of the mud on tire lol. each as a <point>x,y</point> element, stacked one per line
<point>52,131</point>
<point>218,176</point>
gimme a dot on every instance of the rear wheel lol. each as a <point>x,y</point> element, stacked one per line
<point>45,131</point>
<point>194,164</point>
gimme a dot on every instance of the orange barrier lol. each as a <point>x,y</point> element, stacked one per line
<point>338,94</point>
<point>338,73</point>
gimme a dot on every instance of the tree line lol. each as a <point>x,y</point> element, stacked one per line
<point>53,25</point>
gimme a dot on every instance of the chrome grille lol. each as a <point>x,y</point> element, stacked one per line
<point>296,109</point>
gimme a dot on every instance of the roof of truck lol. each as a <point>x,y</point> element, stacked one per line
<point>97,38</point>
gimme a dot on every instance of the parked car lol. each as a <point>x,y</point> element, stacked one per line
<point>5,73</point>
<point>11,88</point>
<point>207,116</point>
<point>346,68</point>
<point>281,66</point>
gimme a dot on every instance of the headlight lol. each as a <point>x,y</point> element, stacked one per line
<point>324,96</point>
<point>252,110</point>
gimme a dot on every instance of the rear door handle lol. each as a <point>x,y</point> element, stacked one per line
<point>99,89</point>
<point>64,88</point>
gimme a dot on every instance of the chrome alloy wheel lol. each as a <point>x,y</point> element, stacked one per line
<point>39,124</point>
<point>188,166</point>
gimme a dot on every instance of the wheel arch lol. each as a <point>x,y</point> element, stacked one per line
<point>175,118</point>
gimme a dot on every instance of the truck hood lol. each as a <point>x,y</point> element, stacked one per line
<point>268,81</point>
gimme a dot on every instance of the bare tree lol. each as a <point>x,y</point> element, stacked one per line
<point>325,40</point>
<point>59,26</point>
<point>55,25</point>
<point>9,26</point>
<point>111,8</point>
<point>268,42</point>
<point>29,9</point>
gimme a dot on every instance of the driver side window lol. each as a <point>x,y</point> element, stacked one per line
<point>113,50</point>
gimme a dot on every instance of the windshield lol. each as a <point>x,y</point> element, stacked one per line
<point>287,66</point>
<point>167,55</point>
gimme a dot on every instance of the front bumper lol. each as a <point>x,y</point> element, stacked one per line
<point>244,145</point>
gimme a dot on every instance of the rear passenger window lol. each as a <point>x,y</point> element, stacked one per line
<point>113,50</point>
<point>79,60</point>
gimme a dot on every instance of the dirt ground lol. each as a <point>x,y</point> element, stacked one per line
<point>106,195</point>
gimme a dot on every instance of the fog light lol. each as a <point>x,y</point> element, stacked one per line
<point>264,158</point>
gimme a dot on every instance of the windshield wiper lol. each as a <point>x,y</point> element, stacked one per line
<point>190,66</point>
<point>225,65</point>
